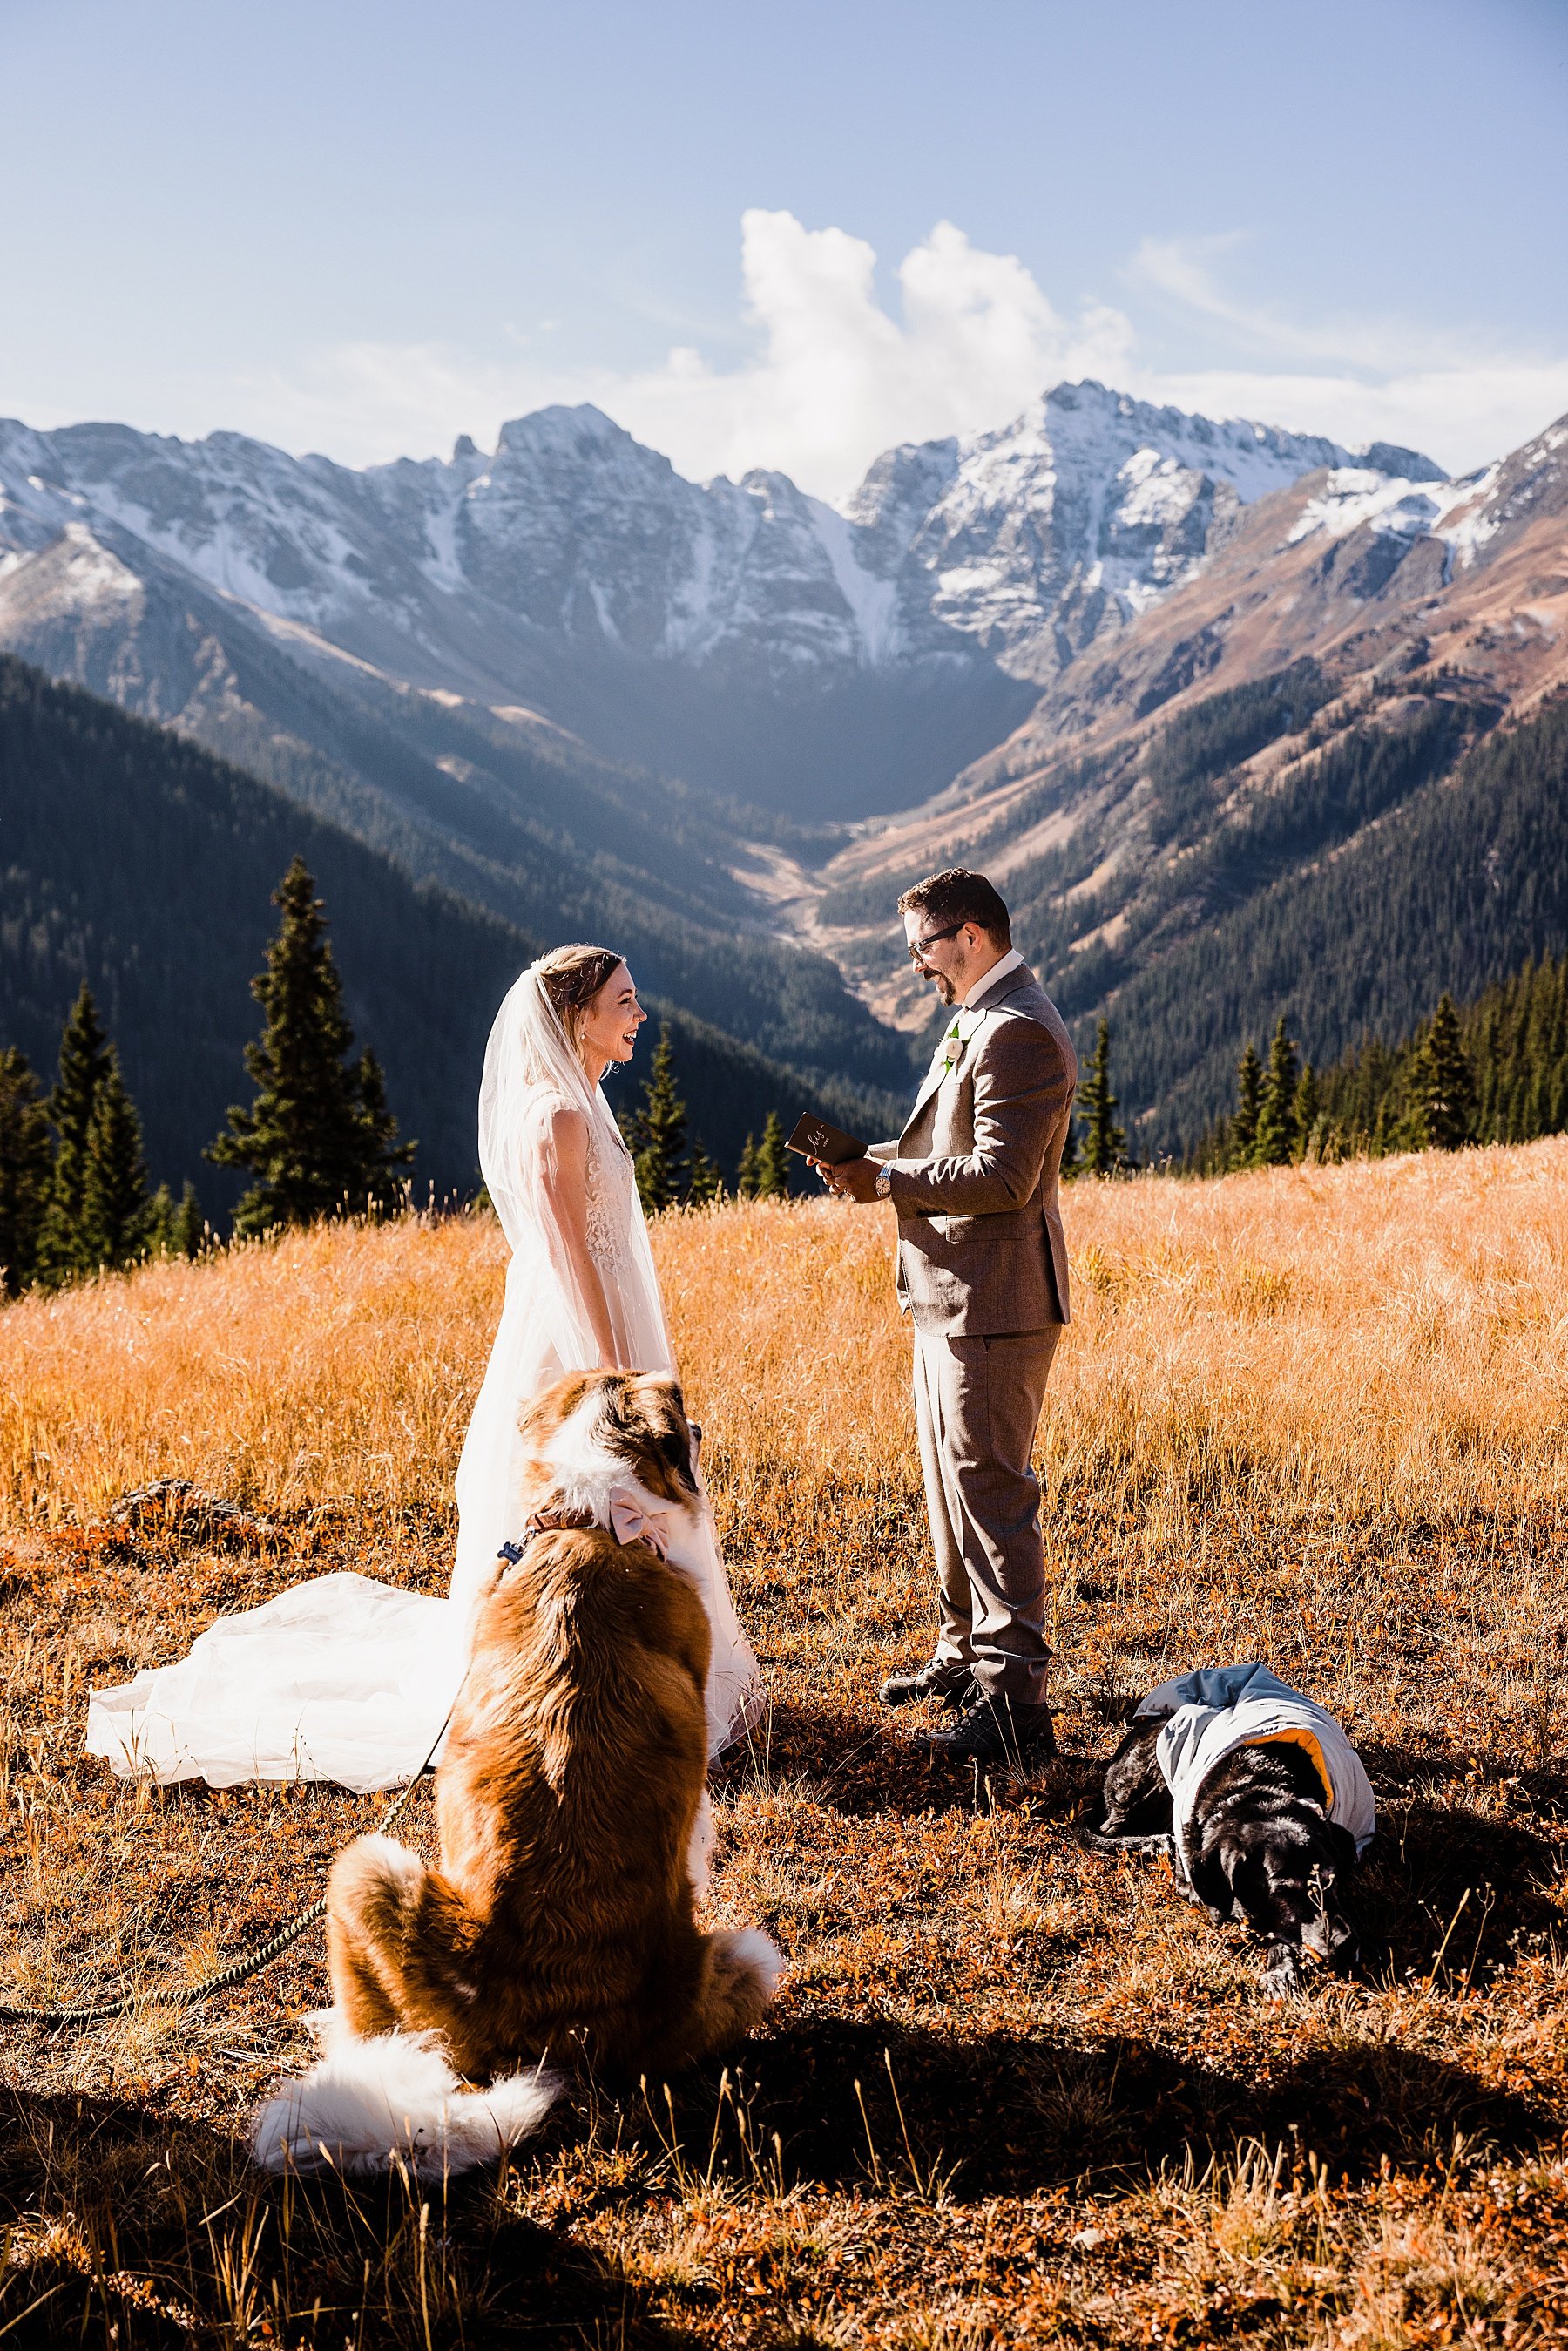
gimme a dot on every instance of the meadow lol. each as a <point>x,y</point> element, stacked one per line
<point>1011,2091</point>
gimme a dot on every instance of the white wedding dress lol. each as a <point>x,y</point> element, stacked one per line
<point>346,1680</point>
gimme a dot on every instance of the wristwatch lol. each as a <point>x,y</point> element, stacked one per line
<point>883,1185</point>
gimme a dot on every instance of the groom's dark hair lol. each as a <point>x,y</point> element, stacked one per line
<point>955,896</point>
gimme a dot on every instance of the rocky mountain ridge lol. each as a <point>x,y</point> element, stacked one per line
<point>742,635</point>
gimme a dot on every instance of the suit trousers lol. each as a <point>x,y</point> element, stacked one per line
<point>977,1405</point>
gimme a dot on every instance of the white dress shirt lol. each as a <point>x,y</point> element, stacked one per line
<point>1010,961</point>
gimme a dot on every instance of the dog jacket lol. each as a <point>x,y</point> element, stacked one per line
<point>1220,1708</point>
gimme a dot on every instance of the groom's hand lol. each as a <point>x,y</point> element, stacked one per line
<point>856,1180</point>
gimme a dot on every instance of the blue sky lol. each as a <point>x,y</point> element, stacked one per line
<point>782,237</point>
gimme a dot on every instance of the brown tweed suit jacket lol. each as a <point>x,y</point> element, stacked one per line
<point>973,1175</point>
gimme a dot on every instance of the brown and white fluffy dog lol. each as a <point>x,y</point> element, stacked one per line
<point>560,1922</point>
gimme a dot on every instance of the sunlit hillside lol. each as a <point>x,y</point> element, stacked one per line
<point>1018,2091</point>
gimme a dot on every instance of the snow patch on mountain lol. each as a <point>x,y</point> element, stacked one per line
<point>872,600</point>
<point>1463,514</point>
<point>85,575</point>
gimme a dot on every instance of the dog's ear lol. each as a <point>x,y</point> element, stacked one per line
<point>676,1449</point>
<point>1284,1973</point>
<point>1342,1848</point>
<point>1134,1793</point>
<point>1337,1941</point>
<point>677,1445</point>
<point>556,1403</point>
<point>648,1415</point>
<point>1209,1872</point>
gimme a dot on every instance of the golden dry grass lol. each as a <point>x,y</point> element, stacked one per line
<point>1387,1336</point>
<point>1010,2089</point>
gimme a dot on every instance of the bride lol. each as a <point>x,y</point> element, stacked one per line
<point>346,1680</point>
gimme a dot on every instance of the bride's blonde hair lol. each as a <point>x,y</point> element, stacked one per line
<point>571,978</point>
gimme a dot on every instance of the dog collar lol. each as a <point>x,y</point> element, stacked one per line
<point>629,1523</point>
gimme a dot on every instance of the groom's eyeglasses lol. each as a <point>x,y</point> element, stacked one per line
<point>918,951</point>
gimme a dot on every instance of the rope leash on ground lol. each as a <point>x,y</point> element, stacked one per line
<point>183,1996</point>
<point>187,1995</point>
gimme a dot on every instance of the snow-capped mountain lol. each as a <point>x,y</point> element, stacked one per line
<point>742,633</point>
<point>1072,519</point>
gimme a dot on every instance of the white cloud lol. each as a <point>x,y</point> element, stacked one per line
<point>1383,378</point>
<point>835,378</point>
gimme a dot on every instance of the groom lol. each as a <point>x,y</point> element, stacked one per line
<point>982,1275</point>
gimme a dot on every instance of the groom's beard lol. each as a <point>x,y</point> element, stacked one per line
<point>945,988</point>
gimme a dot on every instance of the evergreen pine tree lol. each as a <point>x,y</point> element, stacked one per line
<point>1382,1138</point>
<point>188,1228</point>
<point>1490,1056</point>
<point>1444,1089</point>
<point>63,1252</point>
<point>656,1134</point>
<point>1248,1100</point>
<point>1305,1109</point>
<point>27,1170</point>
<point>178,1228</point>
<point>116,1215</point>
<point>318,1137</point>
<point>707,1184</point>
<point>746,1174</point>
<point>772,1166</point>
<point>1540,1100</point>
<point>1276,1140</point>
<point>385,1174</point>
<point>1105,1142</point>
<point>1497,1072</point>
<point>1210,1154</point>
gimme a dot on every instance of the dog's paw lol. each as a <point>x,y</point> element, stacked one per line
<point>759,1952</point>
<point>1284,1973</point>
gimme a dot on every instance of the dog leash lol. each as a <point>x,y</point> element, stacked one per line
<point>251,1963</point>
<point>183,1996</point>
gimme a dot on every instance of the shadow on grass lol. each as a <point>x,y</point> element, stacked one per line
<point>1001,2115</point>
<point>1440,1879</point>
<point>859,1762</point>
<point>132,2229</point>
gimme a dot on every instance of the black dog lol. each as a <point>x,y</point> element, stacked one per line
<point>1259,1849</point>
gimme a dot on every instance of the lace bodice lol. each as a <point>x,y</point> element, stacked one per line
<point>611,1180</point>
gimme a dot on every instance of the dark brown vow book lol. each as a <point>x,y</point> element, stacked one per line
<point>815,1139</point>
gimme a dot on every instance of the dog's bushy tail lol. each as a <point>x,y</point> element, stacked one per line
<point>366,2104</point>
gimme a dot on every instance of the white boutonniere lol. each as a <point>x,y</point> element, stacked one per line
<point>960,1029</point>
